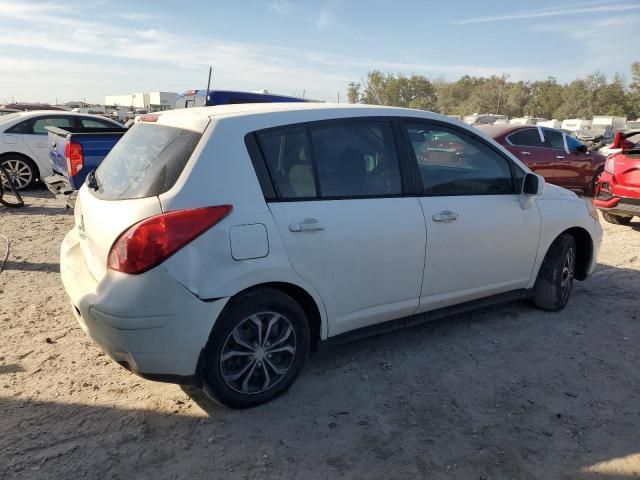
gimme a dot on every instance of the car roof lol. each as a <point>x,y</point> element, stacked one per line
<point>497,130</point>
<point>32,113</point>
<point>347,109</point>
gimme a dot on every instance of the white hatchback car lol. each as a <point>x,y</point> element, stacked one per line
<point>215,246</point>
<point>24,149</point>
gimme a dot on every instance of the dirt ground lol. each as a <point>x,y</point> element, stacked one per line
<point>505,393</point>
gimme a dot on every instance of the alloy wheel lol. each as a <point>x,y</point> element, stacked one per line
<point>19,171</point>
<point>568,269</point>
<point>258,353</point>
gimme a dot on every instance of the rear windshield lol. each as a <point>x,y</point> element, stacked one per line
<point>146,162</point>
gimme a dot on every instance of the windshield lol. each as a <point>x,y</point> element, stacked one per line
<point>146,162</point>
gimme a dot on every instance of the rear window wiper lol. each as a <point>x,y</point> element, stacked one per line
<point>92,183</point>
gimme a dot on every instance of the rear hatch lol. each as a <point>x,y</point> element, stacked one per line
<point>57,143</point>
<point>124,190</point>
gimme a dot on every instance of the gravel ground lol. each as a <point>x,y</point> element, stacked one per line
<point>509,392</point>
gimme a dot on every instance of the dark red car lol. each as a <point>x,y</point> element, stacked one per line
<point>560,159</point>
<point>618,188</point>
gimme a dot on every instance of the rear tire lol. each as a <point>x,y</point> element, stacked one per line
<point>616,219</point>
<point>257,348</point>
<point>555,279</point>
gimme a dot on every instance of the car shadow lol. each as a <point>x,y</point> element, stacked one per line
<point>504,392</point>
<point>32,266</point>
<point>34,203</point>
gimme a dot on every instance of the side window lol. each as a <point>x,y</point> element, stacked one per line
<point>40,124</point>
<point>21,128</point>
<point>95,123</point>
<point>529,137</point>
<point>554,139</point>
<point>454,163</point>
<point>288,157</point>
<point>356,160</point>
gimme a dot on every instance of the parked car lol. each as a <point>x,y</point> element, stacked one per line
<point>28,107</point>
<point>74,152</point>
<point>217,245</point>
<point>484,119</point>
<point>24,151</point>
<point>622,141</point>
<point>559,158</point>
<point>618,188</point>
<point>202,98</point>
<point>7,111</point>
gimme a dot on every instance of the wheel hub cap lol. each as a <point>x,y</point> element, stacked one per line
<point>258,353</point>
<point>19,172</point>
<point>568,269</point>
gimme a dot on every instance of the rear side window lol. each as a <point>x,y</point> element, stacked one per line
<point>356,160</point>
<point>343,160</point>
<point>288,157</point>
<point>554,139</point>
<point>146,162</point>
<point>95,123</point>
<point>40,125</point>
<point>527,138</point>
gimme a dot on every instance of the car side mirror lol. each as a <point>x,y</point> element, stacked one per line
<point>533,184</point>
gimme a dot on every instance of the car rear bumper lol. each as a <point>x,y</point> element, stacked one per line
<point>61,188</point>
<point>148,323</point>
<point>607,200</point>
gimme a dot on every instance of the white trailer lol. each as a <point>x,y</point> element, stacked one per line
<point>575,124</point>
<point>604,122</point>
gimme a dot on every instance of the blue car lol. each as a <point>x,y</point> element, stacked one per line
<point>199,98</point>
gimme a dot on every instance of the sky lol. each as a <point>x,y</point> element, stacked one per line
<point>72,50</point>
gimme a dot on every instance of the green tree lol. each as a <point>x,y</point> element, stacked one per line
<point>353,92</point>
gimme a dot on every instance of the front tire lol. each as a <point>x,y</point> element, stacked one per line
<point>256,349</point>
<point>23,171</point>
<point>555,279</point>
<point>616,219</point>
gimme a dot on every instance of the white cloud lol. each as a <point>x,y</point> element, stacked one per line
<point>565,10</point>
<point>282,7</point>
<point>599,44</point>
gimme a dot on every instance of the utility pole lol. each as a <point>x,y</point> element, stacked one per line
<point>338,97</point>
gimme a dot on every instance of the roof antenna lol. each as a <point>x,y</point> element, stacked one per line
<point>206,98</point>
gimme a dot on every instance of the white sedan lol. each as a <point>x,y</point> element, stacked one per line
<point>24,151</point>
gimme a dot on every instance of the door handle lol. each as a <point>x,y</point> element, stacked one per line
<point>559,156</point>
<point>41,145</point>
<point>525,153</point>
<point>445,216</point>
<point>307,225</point>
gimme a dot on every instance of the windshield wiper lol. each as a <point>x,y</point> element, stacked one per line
<point>92,183</point>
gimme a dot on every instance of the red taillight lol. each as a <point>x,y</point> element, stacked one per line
<point>153,240</point>
<point>75,158</point>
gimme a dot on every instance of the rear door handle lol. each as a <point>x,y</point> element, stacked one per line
<point>525,153</point>
<point>307,225</point>
<point>445,216</point>
<point>559,156</point>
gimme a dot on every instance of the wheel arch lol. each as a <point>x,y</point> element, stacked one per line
<point>307,302</point>
<point>584,250</point>
<point>26,157</point>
